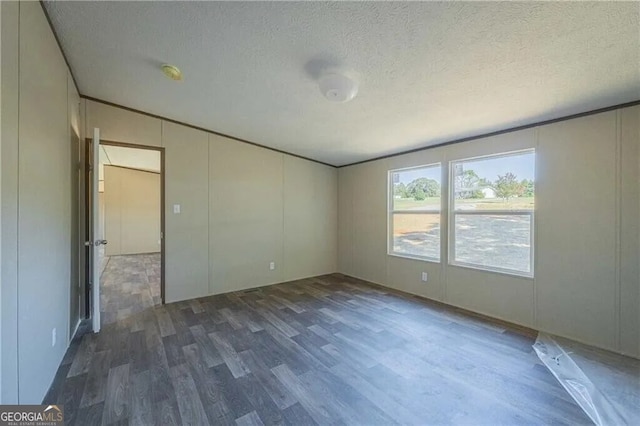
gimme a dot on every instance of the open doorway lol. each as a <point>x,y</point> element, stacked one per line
<point>130,202</point>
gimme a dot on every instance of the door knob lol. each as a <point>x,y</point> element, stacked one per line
<point>100,243</point>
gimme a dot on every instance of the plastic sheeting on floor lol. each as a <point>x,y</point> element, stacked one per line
<point>606,385</point>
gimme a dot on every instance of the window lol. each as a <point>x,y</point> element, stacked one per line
<point>414,212</point>
<point>491,222</point>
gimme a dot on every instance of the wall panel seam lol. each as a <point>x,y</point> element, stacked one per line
<point>68,321</point>
<point>283,209</point>
<point>536,143</point>
<point>18,220</point>
<point>209,261</point>
<point>1,316</point>
<point>618,230</point>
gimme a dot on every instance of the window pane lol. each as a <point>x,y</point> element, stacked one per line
<point>494,241</point>
<point>495,183</point>
<point>417,234</point>
<point>417,189</point>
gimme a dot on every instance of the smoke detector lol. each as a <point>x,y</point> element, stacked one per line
<point>338,88</point>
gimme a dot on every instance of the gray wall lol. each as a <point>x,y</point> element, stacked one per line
<point>242,207</point>
<point>209,250</point>
<point>586,284</point>
<point>0,213</point>
<point>9,148</point>
<point>37,116</point>
<point>629,226</point>
<point>131,211</point>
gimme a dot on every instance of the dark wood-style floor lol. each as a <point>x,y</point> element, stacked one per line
<point>327,350</point>
<point>129,284</point>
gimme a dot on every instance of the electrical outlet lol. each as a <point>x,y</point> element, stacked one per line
<point>424,277</point>
<point>53,337</point>
<point>272,266</point>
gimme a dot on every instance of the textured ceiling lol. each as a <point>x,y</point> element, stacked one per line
<point>428,72</point>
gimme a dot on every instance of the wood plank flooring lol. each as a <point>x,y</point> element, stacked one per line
<point>129,284</point>
<point>325,350</point>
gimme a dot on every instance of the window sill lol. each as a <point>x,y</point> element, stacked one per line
<point>498,271</point>
<point>413,257</point>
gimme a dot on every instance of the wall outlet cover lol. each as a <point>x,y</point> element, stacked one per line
<point>424,277</point>
<point>272,266</point>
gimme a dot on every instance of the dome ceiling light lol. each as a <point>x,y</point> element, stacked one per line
<point>337,87</point>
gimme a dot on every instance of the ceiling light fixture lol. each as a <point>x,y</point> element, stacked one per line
<point>172,72</point>
<point>338,88</point>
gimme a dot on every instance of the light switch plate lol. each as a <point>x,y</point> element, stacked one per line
<point>176,209</point>
<point>424,277</point>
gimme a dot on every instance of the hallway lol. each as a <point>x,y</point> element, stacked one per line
<point>128,285</point>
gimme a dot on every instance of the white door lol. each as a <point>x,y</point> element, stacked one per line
<point>97,241</point>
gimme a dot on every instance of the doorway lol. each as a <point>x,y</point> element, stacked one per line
<point>128,237</point>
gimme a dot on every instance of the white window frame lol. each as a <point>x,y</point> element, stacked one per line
<point>453,213</point>
<point>391,212</point>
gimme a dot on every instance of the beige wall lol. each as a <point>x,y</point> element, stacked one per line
<point>234,214</point>
<point>37,171</point>
<point>246,216</point>
<point>629,176</point>
<point>131,211</point>
<point>586,281</point>
<point>576,285</point>
<point>119,125</point>
<point>9,180</point>
<point>1,350</point>
<point>187,233</point>
<point>309,197</point>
